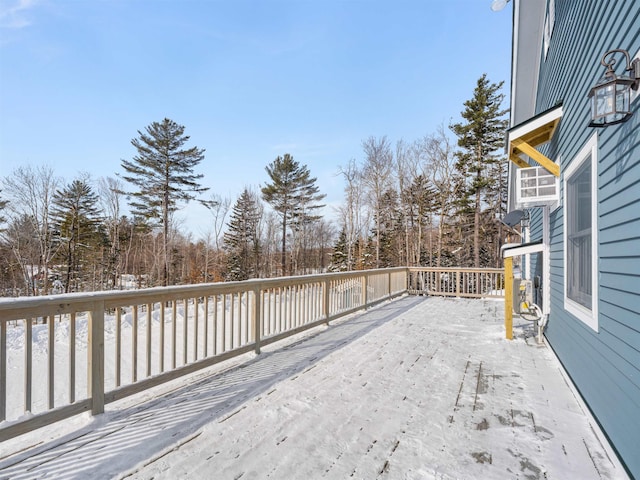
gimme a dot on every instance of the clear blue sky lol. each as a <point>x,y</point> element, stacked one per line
<point>250,80</point>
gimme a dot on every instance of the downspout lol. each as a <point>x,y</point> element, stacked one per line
<point>546,270</point>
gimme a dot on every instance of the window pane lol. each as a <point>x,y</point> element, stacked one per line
<point>579,235</point>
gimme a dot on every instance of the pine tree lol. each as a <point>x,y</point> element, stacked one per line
<point>419,199</point>
<point>389,220</point>
<point>163,171</point>
<point>480,136</point>
<point>242,239</point>
<point>293,194</point>
<point>77,220</point>
<point>339,256</point>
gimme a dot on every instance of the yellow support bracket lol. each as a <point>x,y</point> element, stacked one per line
<point>518,161</point>
<point>542,160</point>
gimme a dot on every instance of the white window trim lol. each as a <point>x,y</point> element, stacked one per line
<point>588,316</point>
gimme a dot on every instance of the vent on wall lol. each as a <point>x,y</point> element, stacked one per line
<point>536,187</point>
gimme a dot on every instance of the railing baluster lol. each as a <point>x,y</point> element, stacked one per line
<point>28,360</point>
<point>224,322</point>
<point>118,340</point>
<point>174,332</point>
<point>95,360</point>
<point>161,340</point>
<point>215,324</point>
<point>206,326</point>
<point>295,314</point>
<point>72,357</point>
<point>134,343</point>
<point>256,320</point>
<point>242,331</point>
<point>279,309</point>
<point>185,330</point>
<point>148,339</point>
<point>196,307</point>
<point>51,381</point>
<point>232,312</point>
<point>249,305</point>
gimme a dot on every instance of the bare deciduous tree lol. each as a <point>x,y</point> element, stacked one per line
<point>440,155</point>
<point>30,192</point>
<point>111,192</point>
<point>219,207</point>
<point>377,178</point>
<point>354,220</point>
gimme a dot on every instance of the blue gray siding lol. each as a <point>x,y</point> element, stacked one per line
<point>605,366</point>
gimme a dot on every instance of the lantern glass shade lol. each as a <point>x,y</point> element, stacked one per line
<point>610,101</point>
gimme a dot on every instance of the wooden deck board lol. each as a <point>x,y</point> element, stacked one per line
<point>450,397</point>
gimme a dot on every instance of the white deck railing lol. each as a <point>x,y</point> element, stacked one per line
<point>78,352</point>
<point>457,282</point>
<point>125,342</point>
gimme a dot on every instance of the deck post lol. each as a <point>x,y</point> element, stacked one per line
<point>365,286</point>
<point>95,367</point>
<point>508,297</point>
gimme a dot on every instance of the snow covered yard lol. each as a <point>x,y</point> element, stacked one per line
<point>417,388</point>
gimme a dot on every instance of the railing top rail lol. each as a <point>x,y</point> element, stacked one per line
<point>15,308</point>
<point>456,269</point>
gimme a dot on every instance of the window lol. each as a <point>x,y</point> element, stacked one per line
<point>581,235</point>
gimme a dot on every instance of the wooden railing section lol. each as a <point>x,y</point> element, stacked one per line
<point>457,282</point>
<point>127,342</point>
<point>124,342</point>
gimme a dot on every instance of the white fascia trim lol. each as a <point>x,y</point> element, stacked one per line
<point>515,251</point>
<point>536,122</point>
<point>514,58</point>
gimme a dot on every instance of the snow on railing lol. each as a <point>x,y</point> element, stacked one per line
<point>66,354</point>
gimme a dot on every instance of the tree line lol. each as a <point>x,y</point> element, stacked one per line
<point>430,202</point>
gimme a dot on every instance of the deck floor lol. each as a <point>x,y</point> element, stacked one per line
<point>417,388</point>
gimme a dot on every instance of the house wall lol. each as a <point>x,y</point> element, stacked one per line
<point>604,365</point>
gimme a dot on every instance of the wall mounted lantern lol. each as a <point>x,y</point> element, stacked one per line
<point>611,97</point>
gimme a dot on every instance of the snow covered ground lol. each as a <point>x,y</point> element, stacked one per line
<point>417,388</point>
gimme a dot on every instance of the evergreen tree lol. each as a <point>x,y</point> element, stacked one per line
<point>293,194</point>
<point>77,220</point>
<point>390,222</point>
<point>163,171</point>
<point>340,256</point>
<point>481,136</point>
<point>242,239</point>
<point>368,249</point>
<point>419,199</point>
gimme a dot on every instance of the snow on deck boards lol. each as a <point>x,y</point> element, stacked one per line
<point>417,388</point>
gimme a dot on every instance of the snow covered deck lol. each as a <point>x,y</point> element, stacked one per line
<point>417,388</point>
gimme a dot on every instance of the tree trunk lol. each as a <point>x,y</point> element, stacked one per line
<point>476,232</point>
<point>283,257</point>
<point>165,235</point>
